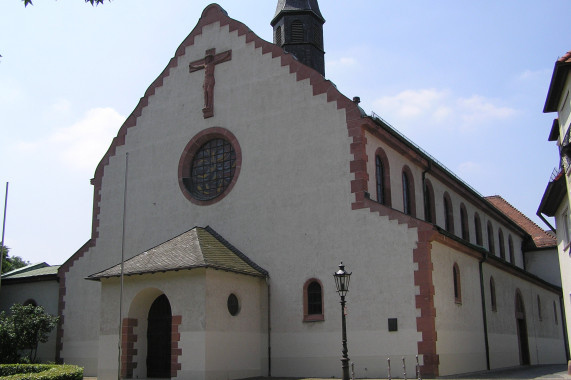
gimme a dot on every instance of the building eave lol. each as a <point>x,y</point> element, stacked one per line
<point>553,196</point>
<point>555,91</point>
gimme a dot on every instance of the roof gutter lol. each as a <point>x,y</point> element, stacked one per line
<point>484,312</point>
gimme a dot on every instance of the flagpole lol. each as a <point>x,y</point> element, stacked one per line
<point>4,225</point>
<point>122,264</point>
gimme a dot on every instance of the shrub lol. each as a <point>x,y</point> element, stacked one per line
<point>40,372</point>
<point>24,329</point>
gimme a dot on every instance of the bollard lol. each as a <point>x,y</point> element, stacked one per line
<point>418,369</point>
<point>403,368</point>
<point>389,374</point>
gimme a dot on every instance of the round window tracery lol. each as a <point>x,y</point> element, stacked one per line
<point>209,166</point>
<point>212,169</point>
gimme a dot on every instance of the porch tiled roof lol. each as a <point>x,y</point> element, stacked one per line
<point>196,248</point>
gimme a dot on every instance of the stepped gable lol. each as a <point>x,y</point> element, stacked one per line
<point>541,239</point>
<point>212,14</point>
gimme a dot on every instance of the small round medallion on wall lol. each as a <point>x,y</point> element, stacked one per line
<point>233,305</point>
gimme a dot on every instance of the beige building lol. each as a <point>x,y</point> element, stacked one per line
<point>231,193</point>
<point>35,284</point>
<point>556,199</point>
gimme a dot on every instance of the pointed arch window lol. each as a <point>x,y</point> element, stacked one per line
<point>491,246</point>
<point>511,249</point>
<point>457,284</point>
<point>405,193</point>
<point>478,228</point>
<point>409,206</point>
<point>448,214</point>
<point>382,178</point>
<point>493,294</point>
<point>429,207</point>
<point>313,301</point>
<point>502,244</point>
<point>464,222</point>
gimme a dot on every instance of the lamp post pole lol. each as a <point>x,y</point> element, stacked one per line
<point>342,283</point>
<point>345,358</point>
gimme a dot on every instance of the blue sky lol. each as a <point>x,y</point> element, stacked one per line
<point>466,81</point>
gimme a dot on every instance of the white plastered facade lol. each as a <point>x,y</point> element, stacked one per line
<point>291,212</point>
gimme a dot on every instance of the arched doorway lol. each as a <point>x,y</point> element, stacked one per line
<point>521,329</point>
<point>159,338</point>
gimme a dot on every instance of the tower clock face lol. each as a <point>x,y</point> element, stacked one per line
<point>212,170</point>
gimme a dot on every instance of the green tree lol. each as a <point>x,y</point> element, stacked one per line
<point>11,263</point>
<point>32,326</point>
<point>8,341</point>
<point>24,329</point>
<point>93,2</point>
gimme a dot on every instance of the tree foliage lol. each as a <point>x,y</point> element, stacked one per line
<point>9,263</point>
<point>24,329</point>
<point>93,2</point>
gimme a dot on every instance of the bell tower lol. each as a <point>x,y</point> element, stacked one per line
<point>298,29</point>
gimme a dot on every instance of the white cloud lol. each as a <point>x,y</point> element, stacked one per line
<point>81,145</point>
<point>440,109</point>
<point>534,74</point>
<point>410,104</point>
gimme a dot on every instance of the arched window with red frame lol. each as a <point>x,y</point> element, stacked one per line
<point>313,301</point>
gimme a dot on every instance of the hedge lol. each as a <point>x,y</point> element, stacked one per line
<point>40,372</point>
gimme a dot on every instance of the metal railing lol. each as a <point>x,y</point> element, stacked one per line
<point>423,152</point>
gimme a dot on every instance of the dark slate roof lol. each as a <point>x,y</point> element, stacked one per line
<point>196,248</point>
<point>297,6</point>
<point>32,272</point>
<point>541,239</point>
<point>553,195</point>
<point>562,66</point>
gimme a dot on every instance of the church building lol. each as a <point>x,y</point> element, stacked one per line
<point>231,194</point>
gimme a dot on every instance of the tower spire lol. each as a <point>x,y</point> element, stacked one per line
<point>298,29</point>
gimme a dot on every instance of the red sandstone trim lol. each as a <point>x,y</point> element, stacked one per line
<point>426,323</point>
<point>62,291</point>
<point>176,351</point>
<point>422,256</point>
<point>211,14</point>
<point>128,349</point>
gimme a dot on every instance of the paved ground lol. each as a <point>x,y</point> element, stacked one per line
<point>542,372</point>
<point>558,371</point>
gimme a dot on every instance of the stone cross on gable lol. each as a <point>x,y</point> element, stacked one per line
<point>208,63</point>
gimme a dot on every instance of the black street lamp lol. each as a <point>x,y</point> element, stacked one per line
<point>342,283</point>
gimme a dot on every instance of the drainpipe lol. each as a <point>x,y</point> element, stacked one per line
<point>540,215</point>
<point>269,329</point>
<point>484,313</point>
<point>564,326</point>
